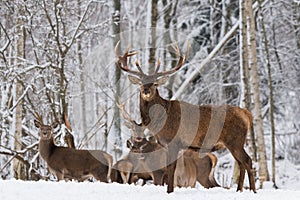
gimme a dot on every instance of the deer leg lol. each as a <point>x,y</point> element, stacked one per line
<point>244,162</point>
<point>242,177</point>
<point>248,165</point>
<point>171,162</point>
<point>100,173</point>
<point>213,182</point>
<point>60,176</point>
<point>158,177</point>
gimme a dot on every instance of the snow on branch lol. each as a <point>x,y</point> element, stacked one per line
<point>210,56</point>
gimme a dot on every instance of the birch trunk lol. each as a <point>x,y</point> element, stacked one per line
<point>170,20</point>
<point>257,117</point>
<point>82,81</point>
<point>154,14</point>
<point>271,98</point>
<point>117,120</point>
<point>19,167</point>
<point>246,76</point>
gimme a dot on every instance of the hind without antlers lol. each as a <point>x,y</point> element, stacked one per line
<point>178,125</point>
<point>69,163</point>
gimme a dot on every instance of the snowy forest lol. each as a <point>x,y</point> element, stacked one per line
<point>57,58</point>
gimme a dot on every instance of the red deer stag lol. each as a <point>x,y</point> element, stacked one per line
<point>69,163</point>
<point>177,124</point>
<point>134,161</point>
<point>144,167</point>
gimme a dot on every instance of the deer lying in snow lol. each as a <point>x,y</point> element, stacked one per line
<point>68,163</point>
<point>191,166</point>
<point>130,169</point>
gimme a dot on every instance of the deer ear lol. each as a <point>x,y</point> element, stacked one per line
<point>162,80</point>
<point>37,123</point>
<point>134,80</point>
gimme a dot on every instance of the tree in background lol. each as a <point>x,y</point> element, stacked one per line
<point>117,121</point>
<point>20,171</point>
<point>69,65</point>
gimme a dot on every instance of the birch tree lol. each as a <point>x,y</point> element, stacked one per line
<point>19,168</point>
<point>254,79</point>
<point>154,15</point>
<point>170,24</point>
<point>81,71</point>
<point>271,89</point>
<point>117,121</point>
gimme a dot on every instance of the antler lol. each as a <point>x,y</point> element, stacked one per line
<point>138,129</point>
<point>178,66</point>
<point>69,138</point>
<point>67,123</point>
<point>38,117</point>
<point>124,113</point>
<point>122,62</point>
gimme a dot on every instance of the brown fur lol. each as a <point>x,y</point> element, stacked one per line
<point>190,165</point>
<point>185,174</point>
<point>205,165</point>
<point>69,163</point>
<point>178,125</point>
<point>121,172</point>
<point>213,125</point>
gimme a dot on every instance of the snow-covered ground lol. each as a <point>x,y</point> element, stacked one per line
<point>288,180</point>
<point>14,190</point>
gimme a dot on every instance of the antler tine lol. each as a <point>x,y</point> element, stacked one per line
<point>178,66</point>
<point>124,113</point>
<point>38,117</point>
<point>139,67</point>
<point>158,66</point>
<point>68,125</point>
<point>122,61</point>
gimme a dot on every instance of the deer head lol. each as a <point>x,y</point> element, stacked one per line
<point>45,131</point>
<point>148,83</point>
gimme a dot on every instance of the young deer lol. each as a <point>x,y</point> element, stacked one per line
<point>121,172</point>
<point>205,167</point>
<point>70,163</point>
<point>177,124</point>
<point>190,167</point>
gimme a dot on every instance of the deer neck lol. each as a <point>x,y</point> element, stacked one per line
<point>146,105</point>
<point>46,148</point>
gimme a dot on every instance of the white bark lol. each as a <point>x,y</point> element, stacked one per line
<point>19,168</point>
<point>254,79</point>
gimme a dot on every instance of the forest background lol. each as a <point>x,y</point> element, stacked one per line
<point>57,57</point>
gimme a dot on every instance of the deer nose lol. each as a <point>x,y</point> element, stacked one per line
<point>146,91</point>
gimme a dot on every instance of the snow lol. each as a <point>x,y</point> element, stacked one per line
<point>15,189</point>
<point>287,179</point>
